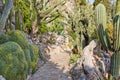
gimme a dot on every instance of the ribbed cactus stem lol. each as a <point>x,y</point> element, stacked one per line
<point>102,27</point>
<point>115,59</point>
<point>115,64</point>
<point>116,23</point>
<point>101,15</point>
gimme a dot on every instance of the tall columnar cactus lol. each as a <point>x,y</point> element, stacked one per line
<point>102,27</point>
<point>115,59</point>
<point>117,6</point>
<point>104,39</point>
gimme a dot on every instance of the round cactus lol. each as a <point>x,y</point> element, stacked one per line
<point>13,65</point>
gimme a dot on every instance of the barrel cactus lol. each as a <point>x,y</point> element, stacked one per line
<point>17,56</point>
<point>105,42</point>
<point>19,37</point>
<point>13,65</point>
<point>3,38</point>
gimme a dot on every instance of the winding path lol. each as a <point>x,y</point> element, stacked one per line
<point>57,67</point>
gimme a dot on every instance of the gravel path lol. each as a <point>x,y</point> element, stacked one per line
<point>56,68</point>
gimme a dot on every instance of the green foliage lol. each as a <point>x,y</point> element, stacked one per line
<point>34,57</point>
<point>94,35</point>
<point>43,29</point>
<point>71,33</point>
<point>117,6</point>
<point>22,7</point>
<point>13,65</point>
<point>57,27</point>
<point>74,57</point>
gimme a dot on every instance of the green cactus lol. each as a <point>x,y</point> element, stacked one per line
<point>3,38</point>
<point>19,37</point>
<point>102,27</point>
<point>104,39</point>
<point>17,57</point>
<point>13,65</point>
<point>101,15</point>
<point>116,32</point>
<point>115,59</point>
<point>34,57</point>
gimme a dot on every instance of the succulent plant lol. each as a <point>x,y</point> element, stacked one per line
<point>17,57</point>
<point>102,27</point>
<point>104,39</point>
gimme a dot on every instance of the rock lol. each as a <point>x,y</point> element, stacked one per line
<point>2,78</point>
<point>91,65</point>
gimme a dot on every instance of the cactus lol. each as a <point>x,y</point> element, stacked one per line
<point>34,57</point>
<point>17,57</point>
<point>13,65</point>
<point>116,33</point>
<point>115,59</point>
<point>102,27</point>
<point>117,6</point>
<point>104,39</point>
<point>19,37</point>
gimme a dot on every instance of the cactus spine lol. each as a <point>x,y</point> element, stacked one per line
<point>102,27</point>
<point>104,38</point>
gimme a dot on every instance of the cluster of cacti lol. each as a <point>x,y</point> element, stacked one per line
<point>17,57</point>
<point>104,38</point>
<point>80,21</point>
<point>47,10</point>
